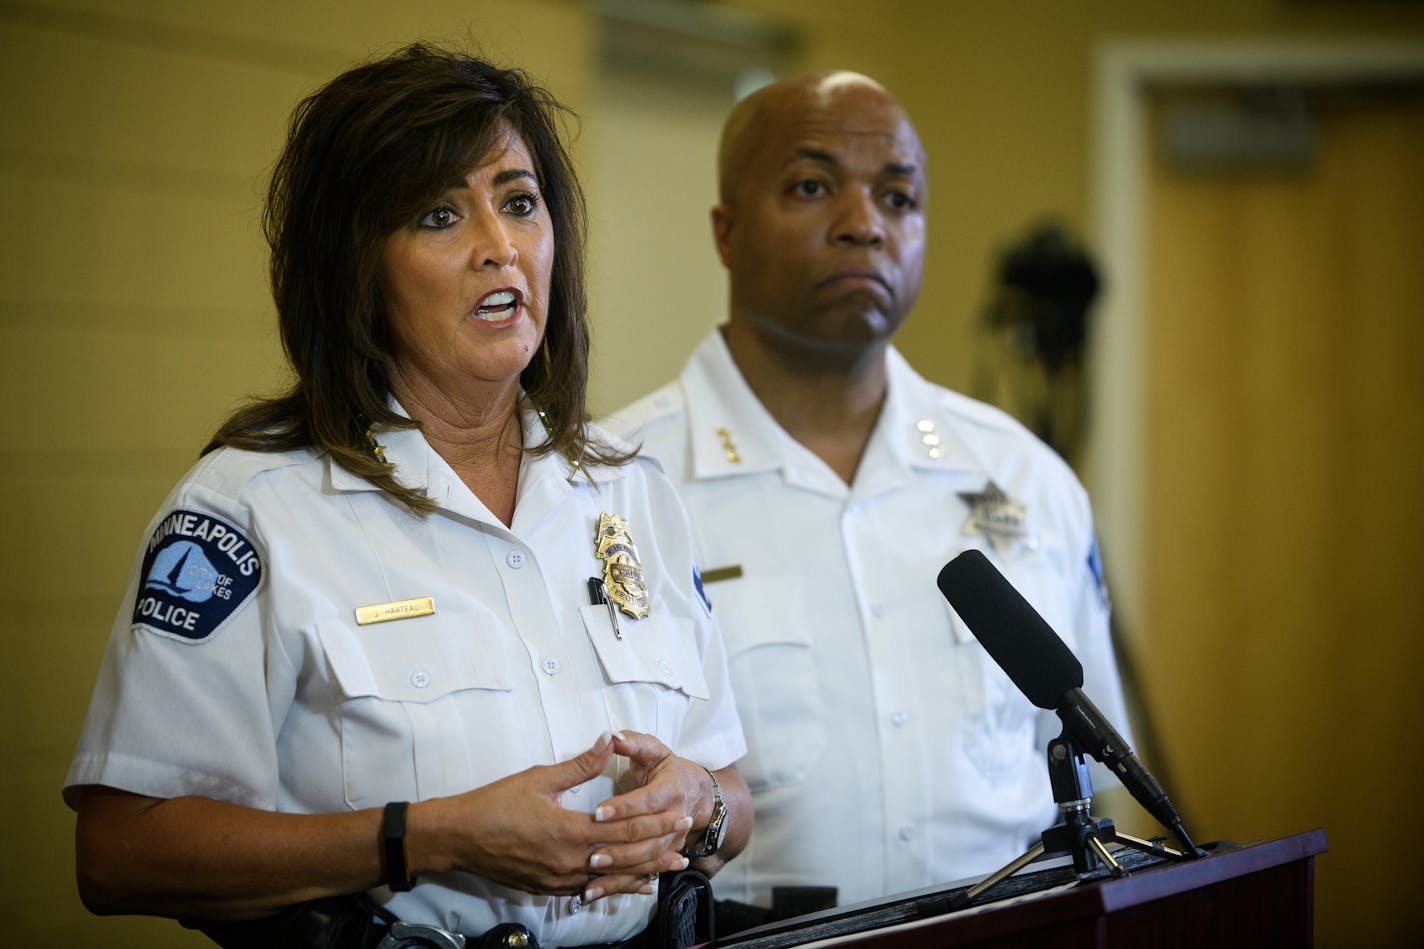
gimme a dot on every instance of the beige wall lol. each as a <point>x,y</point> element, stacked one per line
<point>133,310</point>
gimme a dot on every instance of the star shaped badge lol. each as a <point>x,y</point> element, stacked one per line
<point>995,515</point>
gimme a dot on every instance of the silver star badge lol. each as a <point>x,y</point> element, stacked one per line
<point>995,515</point>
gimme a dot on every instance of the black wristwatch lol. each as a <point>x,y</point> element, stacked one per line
<point>716,826</point>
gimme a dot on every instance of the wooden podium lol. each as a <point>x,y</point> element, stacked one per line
<point>1258,895</point>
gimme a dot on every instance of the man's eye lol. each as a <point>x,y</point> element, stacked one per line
<point>810,188</point>
<point>438,218</point>
<point>900,201</point>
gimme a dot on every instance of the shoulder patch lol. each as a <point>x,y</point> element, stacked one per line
<point>197,570</point>
<point>701,591</point>
<point>1095,567</point>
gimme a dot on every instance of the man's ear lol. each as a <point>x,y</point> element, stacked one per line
<point>722,233</point>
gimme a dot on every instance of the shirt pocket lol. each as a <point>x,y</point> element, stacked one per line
<point>1000,726</point>
<point>652,667</point>
<point>772,662</point>
<point>426,706</point>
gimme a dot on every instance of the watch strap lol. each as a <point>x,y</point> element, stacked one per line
<point>716,824</point>
<point>398,876</point>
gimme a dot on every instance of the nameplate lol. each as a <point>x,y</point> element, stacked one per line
<point>399,609</point>
<point>717,574</point>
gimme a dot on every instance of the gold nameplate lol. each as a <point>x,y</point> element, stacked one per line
<point>718,574</point>
<point>400,609</point>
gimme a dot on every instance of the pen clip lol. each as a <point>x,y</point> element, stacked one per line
<point>598,593</point>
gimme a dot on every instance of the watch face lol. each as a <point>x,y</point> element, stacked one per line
<point>721,833</point>
<point>716,828</point>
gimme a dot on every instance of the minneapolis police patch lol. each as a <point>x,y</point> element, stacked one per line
<point>196,572</point>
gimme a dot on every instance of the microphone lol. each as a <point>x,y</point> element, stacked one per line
<point>1045,669</point>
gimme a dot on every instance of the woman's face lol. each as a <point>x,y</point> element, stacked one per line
<point>466,284</point>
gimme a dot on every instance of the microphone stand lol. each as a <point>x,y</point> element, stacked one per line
<point>1076,833</point>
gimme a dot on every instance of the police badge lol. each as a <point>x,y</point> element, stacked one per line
<point>622,571</point>
<point>998,517</point>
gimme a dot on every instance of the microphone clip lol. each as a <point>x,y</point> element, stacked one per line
<point>1077,833</point>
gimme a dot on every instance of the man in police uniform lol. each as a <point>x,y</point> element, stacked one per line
<point>828,483</point>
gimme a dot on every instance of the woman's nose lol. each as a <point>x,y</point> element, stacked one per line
<point>492,243</point>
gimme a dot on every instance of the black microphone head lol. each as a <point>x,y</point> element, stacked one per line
<point>1010,630</point>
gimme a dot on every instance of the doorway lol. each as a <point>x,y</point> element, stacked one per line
<point>1269,415</point>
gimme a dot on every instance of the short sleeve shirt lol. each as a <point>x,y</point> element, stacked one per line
<point>370,654</point>
<point>887,751</point>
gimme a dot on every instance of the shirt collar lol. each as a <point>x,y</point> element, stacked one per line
<point>405,448</point>
<point>918,430</point>
<point>419,466</point>
<point>731,433</point>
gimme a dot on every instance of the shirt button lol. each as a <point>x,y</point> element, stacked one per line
<point>515,558</point>
<point>907,832</point>
<point>665,667</point>
<point>550,667</point>
<point>420,678</point>
<point>899,719</point>
<point>877,610</point>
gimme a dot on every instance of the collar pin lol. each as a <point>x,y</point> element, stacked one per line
<point>729,447</point>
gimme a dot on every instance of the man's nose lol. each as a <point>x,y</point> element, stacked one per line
<point>859,220</point>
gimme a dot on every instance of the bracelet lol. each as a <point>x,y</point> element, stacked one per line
<point>398,876</point>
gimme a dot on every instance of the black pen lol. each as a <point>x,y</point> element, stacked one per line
<point>598,593</point>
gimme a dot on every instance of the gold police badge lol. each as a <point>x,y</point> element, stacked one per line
<point>622,571</point>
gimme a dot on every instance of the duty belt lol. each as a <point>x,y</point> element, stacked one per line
<point>684,918</point>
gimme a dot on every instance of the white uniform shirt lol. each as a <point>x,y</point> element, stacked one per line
<point>887,751</point>
<point>289,704</point>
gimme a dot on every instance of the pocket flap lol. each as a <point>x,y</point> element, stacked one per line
<point>652,649</point>
<point>417,660</point>
<point>760,611</point>
<point>962,634</point>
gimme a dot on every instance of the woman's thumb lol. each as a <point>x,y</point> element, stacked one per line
<point>584,766</point>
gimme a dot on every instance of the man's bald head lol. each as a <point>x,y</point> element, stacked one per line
<point>820,97</point>
<point>821,221</point>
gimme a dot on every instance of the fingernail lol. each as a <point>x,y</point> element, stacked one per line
<point>599,860</point>
<point>602,814</point>
<point>684,823</point>
<point>620,736</point>
<point>646,889</point>
<point>682,865</point>
<point>591,894</point>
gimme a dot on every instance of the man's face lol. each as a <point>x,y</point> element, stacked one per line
<point>824,235</point>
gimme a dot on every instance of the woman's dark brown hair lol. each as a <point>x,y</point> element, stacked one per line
<point>364,154</point>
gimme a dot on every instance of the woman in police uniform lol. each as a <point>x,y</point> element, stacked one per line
<point>414,628</point>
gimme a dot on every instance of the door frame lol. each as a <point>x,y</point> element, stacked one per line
<point>1122,73</point>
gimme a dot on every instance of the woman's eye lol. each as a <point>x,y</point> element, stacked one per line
<point>522,205</point>
<point>438,218</point>
<point>810,188</point>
